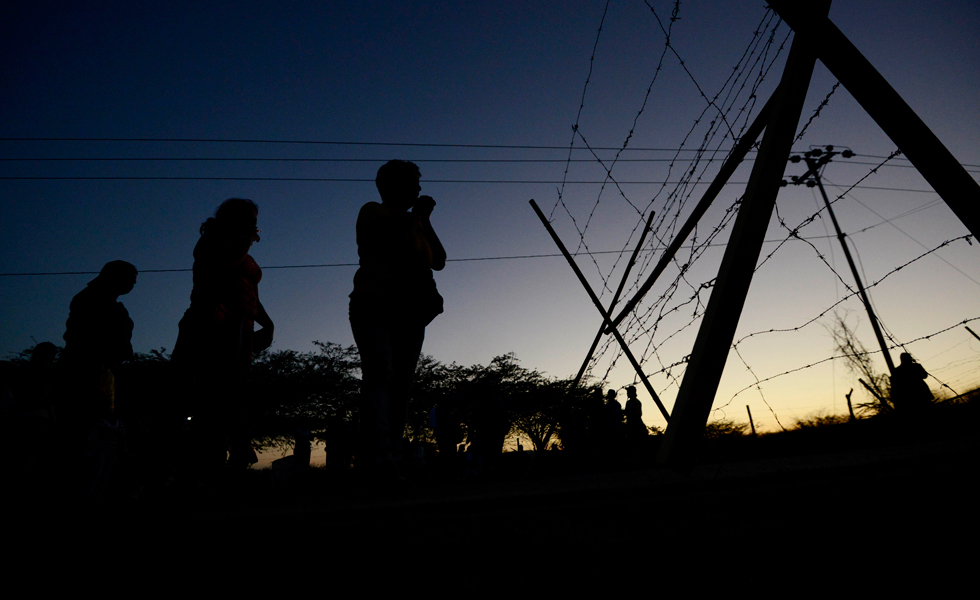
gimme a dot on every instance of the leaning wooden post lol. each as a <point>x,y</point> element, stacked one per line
<point>601,309</point>
<point>714,339</point>
<point>751,422</point>
<point>727,169</point>
<point>883,104</point>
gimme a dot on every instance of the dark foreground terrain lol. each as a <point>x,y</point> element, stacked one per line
<point>876,500</point>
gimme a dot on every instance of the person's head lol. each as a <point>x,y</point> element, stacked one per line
<point>44,352</point>
<point>117,277</point>
<point>398,183</point>
<point>236,216</point>
<point>905,358</point>
<point>631,391</point>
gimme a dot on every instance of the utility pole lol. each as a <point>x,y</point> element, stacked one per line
<point>815,160</point>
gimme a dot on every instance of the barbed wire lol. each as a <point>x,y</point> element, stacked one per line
<point>651,349</point>
<point>836,357</point>
<point>855,293</point>
<point>758,387</point>
<point>469,259</point>
<point>578,116</point>
<point>672,209</point>
<point>816,113</point>
<point>794,231</point>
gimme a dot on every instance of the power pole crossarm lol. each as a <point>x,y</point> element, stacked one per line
<point>919,144</point>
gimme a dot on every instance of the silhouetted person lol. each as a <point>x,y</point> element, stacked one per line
<point>488,431</point>
<point>28,419</point>
<point>217,340</point>
<point>613,422</point>
<point>595,422</point>
<point>98,337</point>
<point>636,430</point>
<point>448,430</point>
<point>338,442</point>
<point>394,298</point>
<point>573,432</point>
<point>909,391</point>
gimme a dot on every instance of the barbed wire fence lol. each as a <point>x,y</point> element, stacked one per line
<point>724,117</point>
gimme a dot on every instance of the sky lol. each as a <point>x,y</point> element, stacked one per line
<point>484,96</point>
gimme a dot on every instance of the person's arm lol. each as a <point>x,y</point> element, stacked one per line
<point>263,337</point>
<point>423,208</point>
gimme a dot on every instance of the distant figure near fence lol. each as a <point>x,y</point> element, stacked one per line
<point>636,430</point>
<point>394,298</point>
<point>909,391</point>
<point>216,342</point>
<point>615,432</point>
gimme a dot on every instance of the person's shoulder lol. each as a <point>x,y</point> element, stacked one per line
<point>82,298</point>
<point>372,213</point>
<point>373,209</point>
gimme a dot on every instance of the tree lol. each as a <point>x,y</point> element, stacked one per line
<point>857,359</point>
<point>308,390</point>
<point>533,403</point>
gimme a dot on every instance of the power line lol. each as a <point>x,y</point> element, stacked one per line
<point>382,160</point>
<point>319,142</point>
<point>327,265</point>
<point>427,181</point>
<point>379,144</point>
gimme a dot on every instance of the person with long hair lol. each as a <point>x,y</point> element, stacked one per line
<point>217,341</point>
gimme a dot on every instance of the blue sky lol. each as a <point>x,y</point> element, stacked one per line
<point>469,79</point>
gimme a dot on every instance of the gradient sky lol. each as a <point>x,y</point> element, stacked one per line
<point>481,74</point>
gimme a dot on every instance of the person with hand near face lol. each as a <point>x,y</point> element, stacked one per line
<point>394,298</point>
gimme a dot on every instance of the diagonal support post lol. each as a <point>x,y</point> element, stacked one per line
<point>601,309</point>
<point>615,300</point>
<point>880,100</point>
<point>734,159</point>
<point>714,339</point>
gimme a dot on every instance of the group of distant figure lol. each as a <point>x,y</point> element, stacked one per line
<point>393,300</point>
<point>603,424</point>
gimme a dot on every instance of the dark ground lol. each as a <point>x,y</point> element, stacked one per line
<point>875,500</point>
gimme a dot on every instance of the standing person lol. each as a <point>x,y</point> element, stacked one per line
<point>98,337</point>
<point>909,391</point>
<point>636,430</point>
<point>394,298</point>
<point>217,341</point>
<point>613,422</point>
